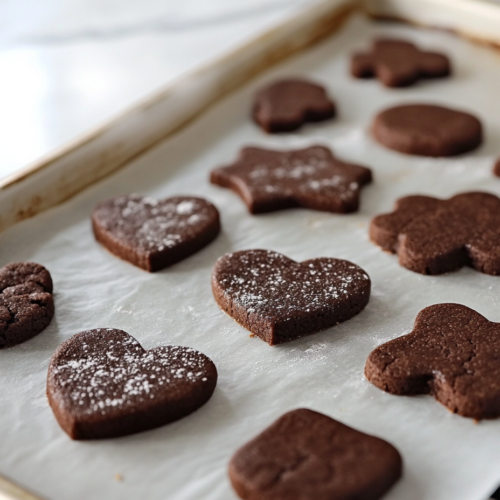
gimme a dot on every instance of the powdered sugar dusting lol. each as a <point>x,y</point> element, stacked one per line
<point>154,225</point>
<point>310,171</point>
<point>105,368</point>
<point>267,282</point>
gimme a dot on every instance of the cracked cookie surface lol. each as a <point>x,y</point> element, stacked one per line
<point>308,455</point>
<point>26,302</point>
<point>102,383</point>
<point>452,353</point>
<point>312,178</point>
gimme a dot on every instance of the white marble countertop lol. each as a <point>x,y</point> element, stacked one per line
<point>67,65</point>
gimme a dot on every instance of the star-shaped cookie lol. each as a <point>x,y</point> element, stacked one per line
<point>313,178</point>
<point>434,236</point>
<point>452,353</point>
<point>398,63</point>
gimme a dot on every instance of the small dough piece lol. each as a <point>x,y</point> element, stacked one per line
<point>434,236</point>
<point>427,130</point>
<point>286,105</point>
<point>452,353</point>
<point>26,302</point>
<point>279,299</point>
<point>102,384</point>
<point>154,234</point>
<point>398,63</point>
<point>313,178</point>
<point>306,455</point>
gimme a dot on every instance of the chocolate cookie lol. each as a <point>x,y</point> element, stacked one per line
<point>279,299</point>
<point>427,130</point>
<point>496,168</point>
<point>452,353</point>
<point>153,234</point>
<point>397,63</point>
<point>433,236</point>
<point>310,178</point>
<point>102,384</point>
<point>306,455</point>
<point>286,105</point>
<point>26,302</point>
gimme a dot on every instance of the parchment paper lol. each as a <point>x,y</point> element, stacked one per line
<point>446,456</point>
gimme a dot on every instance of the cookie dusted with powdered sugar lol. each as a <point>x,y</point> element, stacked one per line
<point>279,299</point>
<point>101,384</point>
<point>153,234</point>
<point>306,455</point>
<point>312,178</point>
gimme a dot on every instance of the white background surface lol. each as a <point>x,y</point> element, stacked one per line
<point>446,456</point>
<point>68,65</point>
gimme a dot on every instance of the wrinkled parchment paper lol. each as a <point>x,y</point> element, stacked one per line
<point>446,456</point>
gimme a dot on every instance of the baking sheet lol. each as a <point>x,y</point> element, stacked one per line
<point>446,456</point>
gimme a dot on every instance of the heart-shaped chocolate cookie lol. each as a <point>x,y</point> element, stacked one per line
<point>102,384</point>
<point>26,302</point>
<point>307,455</point>
<point>452,353</point>
<point>279,299</point>
<point>153,234</point>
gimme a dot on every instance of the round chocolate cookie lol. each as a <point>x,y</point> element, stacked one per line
<point>286,105</point>
<point>102,384</point>
<point>306,455</point>
<point>279,299</point>
<point>427,130</point>
<point>154,234</point>
<point>452,353</point>
<point>26,302</point>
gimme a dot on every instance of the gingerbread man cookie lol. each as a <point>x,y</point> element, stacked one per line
<point>397,63</point>
<point>452,353</point>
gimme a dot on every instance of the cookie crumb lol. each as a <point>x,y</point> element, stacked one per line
<point>118,477</point>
